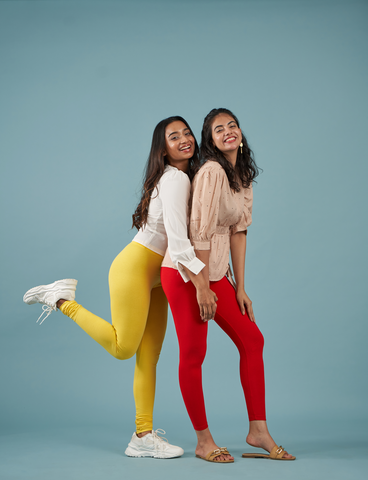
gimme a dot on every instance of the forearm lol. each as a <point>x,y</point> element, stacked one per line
<point>200,280</point>
<point>205,297</point>
<point>238,245</point>
<point>204,256</point>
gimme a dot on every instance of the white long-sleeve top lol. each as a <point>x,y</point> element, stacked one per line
<point>167,222</point>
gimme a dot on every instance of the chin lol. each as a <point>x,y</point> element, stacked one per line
<point>231,149</point>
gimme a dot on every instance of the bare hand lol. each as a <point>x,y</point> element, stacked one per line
<point>245,303</point>
<point>206,299</point>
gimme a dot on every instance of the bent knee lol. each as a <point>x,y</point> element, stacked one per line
<point>259,341</point>
<point>123,353</point>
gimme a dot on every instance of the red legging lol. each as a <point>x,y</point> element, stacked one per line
<point>192,335</point>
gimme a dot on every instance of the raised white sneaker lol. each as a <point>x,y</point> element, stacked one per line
<point>151,445</point>
<point>48,295</point>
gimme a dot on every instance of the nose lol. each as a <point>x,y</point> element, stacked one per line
<point>184,141</point>
<point>227,130</point>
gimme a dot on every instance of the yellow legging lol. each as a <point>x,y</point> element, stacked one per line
<point>139,317</point>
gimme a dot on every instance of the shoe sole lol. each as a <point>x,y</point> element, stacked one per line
<point>66,284</point>
<point>130,452</point>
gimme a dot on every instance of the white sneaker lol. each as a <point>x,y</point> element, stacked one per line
<point>48,295</point>
<point>151,445</point>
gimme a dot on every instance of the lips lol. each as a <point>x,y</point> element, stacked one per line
<point>230,139</point>
<point>185,148</point>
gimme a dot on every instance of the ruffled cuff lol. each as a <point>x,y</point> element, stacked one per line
<point>238,228</point>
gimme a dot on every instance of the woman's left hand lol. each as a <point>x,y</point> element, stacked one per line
<point>245,303</point>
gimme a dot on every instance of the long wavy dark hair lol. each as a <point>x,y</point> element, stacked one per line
<point>245,168</point>
<point>155,167</point>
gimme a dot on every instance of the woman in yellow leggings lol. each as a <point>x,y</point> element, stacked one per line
<point>138,303</point>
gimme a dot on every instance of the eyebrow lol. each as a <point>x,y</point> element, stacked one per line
<point>172,133</point>
<point>231,121</point>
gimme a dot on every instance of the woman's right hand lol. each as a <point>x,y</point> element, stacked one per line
<point>206,299</point>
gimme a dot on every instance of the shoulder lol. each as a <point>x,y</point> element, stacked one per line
<point>210,169</point>
<point>172,174</point>
<point>212,166</point>
<point>174,184</point>
<point>248,191</point>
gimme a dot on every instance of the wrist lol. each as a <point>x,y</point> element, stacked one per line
<point>202,286</point>
<point>200,281</point>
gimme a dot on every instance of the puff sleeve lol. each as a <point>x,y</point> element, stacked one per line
<point>207,188</point>
<point>246,217</point>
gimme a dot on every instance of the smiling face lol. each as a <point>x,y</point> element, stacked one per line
<point>226,135</point>
<point>180,145</point>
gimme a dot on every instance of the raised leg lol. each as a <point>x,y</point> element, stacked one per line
<point>133,274</point>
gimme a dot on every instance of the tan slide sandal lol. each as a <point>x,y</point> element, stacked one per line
<point>275,454</point>
<point>210,457</point>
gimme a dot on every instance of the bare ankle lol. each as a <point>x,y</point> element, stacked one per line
<point>60,302</point>
<point>204,436</point>
<point>258,427</point>
<point>142,434</point>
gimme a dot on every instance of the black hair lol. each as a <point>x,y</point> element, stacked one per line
<point>155,167</point>
<point>245,169</point>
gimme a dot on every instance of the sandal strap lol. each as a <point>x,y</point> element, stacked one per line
<point>277,452</point>
<point>217,452</point>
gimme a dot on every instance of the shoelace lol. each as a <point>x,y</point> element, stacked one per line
<point>161,440</point>
<point>45,309</point>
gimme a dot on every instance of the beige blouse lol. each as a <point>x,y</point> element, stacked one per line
<point>217,213</point>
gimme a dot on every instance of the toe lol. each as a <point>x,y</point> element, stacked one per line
<point>223,458</point>
<point>287,455</point>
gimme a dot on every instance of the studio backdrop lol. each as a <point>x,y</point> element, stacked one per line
<point>83,85</point>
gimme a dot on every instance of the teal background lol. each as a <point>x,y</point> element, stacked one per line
<point>82,86</point>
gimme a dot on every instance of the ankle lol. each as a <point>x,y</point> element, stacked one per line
<point>258,427</point>
<point>203,436</point>
<point>143,434</point>
<point>60,302</point>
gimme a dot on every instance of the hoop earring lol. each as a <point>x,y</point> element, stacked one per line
<point>241,147</point>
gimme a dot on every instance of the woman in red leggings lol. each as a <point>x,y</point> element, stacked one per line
<point>221,213</point>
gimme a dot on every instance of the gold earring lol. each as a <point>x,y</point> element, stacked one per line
<point>241,147</point>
